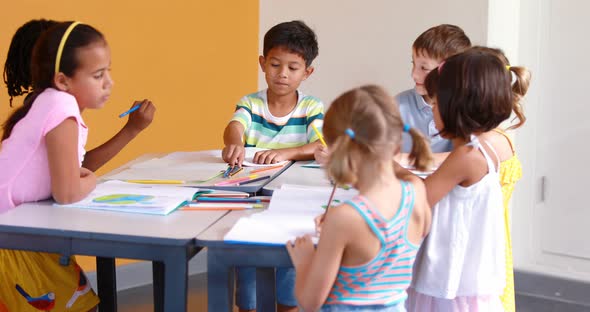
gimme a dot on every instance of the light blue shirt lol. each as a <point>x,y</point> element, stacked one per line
<point>418,114</point>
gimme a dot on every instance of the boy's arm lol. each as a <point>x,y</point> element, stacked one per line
<point>138,121</point>
<point>233,152</point>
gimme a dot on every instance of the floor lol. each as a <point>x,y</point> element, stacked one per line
<point>140,300</point>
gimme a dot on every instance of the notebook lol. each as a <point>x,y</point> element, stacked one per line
<point>290,214</point>
<point>135,198</point>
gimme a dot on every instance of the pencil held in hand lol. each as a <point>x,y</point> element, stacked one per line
<point>319,134</point>
<point>131,110</point>
<point>330,201</point>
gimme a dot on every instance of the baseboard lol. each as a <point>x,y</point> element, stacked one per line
<point>552,288</point>
<point>140,273</point>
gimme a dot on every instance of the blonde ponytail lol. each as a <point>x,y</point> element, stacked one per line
<point>421,155</point>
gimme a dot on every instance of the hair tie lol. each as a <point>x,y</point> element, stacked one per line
<point>508,67</point>
<point>62,43</point>
<point>407,128</point>
<point>350,133</point>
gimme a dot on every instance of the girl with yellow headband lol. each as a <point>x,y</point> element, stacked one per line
<point>17,77</point>
<point>42,155</point>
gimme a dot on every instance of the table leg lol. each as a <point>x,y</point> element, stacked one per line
<point>158,284</point>
<point>265,290</point>
<point>107,283</point>
<point>176,282</point>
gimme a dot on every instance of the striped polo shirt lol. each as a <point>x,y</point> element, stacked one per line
<point>383,280</point>
<point>264,130</point>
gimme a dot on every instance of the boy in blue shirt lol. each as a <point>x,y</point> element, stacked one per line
<point>429,50</point>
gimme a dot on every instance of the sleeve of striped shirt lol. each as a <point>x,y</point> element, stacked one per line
<point>243,113</point>
<point>314,115</point>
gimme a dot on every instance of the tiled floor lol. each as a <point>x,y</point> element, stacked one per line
<point>140,300</point>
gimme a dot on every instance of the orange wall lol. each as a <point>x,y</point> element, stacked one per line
<point>193,59</point>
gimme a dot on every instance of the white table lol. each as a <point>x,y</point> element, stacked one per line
<point>222,258</point>
<point>167,241</point>
<point>297,174</point>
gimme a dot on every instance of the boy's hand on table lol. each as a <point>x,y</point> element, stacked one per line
<point>270,156</point>
<point>233,154</point>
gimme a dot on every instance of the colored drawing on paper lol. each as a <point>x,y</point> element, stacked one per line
<point>124,199</point>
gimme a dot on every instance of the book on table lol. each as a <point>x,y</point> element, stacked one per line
<point>136,198</point>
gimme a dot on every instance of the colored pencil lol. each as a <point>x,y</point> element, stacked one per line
<point>330,200</point>
<point>131,110</point>
<point>227,200</point>
<point>237,180</point>
<point>317,132</point>
<point>266,168</point>
<point>234,172</point>
<point>253,180</point>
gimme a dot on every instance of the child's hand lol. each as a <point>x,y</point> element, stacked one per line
<point>318,223</point>
<point>85,172</point>
<point>233,154</point>
<point>88,176</point>
<point>141,118</point>
<point>321,154</point>
<point>301,251</point>
<point>269,156</point>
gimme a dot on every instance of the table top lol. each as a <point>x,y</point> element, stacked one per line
<point>297,174</point>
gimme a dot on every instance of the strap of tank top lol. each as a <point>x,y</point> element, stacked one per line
<point>491,166</point>
<point>503,133</point>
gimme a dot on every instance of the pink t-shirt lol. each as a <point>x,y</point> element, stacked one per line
<point>24,173</point>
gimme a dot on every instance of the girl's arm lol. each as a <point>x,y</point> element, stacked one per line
<point>304,152</point>
<point>453,171</point>
<point>138,121</point>
<point>69,182</point>
<point>316,270</point>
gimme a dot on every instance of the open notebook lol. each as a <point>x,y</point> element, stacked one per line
<point>290,214</point>
<point>136,198</point>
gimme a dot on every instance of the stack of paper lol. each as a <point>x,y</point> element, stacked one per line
<point>291,213</point>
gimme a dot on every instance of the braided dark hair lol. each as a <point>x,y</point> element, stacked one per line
<point>17,69</point>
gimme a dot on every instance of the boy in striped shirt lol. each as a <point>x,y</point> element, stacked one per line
<point>280,117</point>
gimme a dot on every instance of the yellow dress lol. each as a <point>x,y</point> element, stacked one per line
<point>510,173</point>
<point>36,281</point>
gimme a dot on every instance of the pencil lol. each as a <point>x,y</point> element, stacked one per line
<point>227,171</point>
<point>267,168</point>
<point>131,110</point>
<point>227,200</point>
<point>237,180</point>
<point>234,172</point>
<point>317,132</point>
<point>330,200</point>
<point>253,180</point>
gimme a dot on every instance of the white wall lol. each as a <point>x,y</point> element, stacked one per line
<point>369,41</point>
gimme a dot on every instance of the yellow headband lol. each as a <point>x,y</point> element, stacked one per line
<point>62,43</point>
